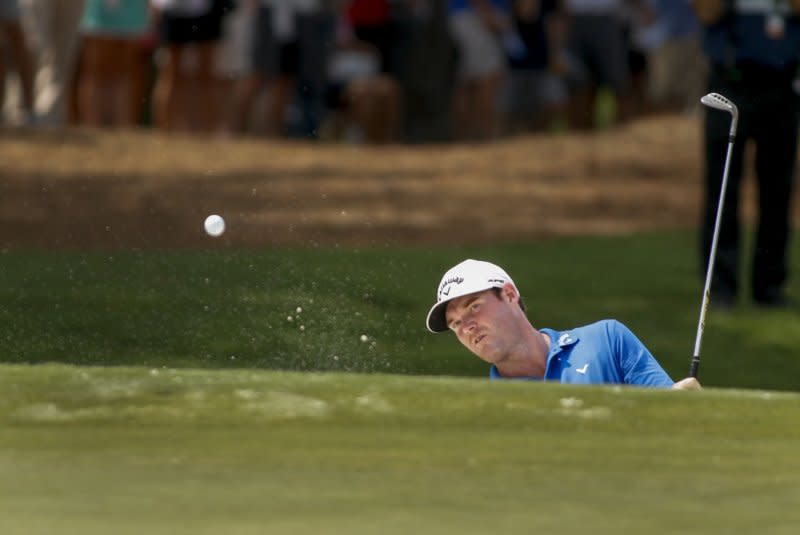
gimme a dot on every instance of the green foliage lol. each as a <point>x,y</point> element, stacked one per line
<point>231,308</point>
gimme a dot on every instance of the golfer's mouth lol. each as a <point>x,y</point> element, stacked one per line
<point>478,339</point>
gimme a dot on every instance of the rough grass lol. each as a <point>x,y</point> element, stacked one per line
<point>307,309</point>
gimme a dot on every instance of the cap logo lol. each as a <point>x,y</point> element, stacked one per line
<point>444,287</point>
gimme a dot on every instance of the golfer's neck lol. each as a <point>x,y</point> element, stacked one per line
<point>529,359</point>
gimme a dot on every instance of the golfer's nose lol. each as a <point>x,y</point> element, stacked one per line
<point>468,324</point>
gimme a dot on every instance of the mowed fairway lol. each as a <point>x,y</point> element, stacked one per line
<point>94,450</point>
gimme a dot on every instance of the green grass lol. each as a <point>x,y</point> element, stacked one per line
<point>231,309</point>
<point>96,450</point>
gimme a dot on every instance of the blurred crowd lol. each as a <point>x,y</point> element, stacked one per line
<point>357,70</point>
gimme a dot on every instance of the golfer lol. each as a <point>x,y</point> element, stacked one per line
<point>480,303</point>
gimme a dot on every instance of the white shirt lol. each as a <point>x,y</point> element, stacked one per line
<point>185,8</point>
<point>283,15</point>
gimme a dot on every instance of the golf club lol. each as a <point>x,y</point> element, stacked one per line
<point>718,102</point>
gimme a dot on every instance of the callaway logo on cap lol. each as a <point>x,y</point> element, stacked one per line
<point>468,277</point>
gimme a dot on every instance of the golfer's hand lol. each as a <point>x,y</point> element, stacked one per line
<point>690,383</point>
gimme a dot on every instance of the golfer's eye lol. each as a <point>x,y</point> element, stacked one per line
<point>475,306</point>
<point>455,324</point>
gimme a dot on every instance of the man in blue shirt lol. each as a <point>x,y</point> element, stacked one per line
<point>480,303</point>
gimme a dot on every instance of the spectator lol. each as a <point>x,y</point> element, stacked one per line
<point>597,41</point>
<point>316,32</point>
<point>13,36</point>
<point>677,65</point>
<point>52,27</point>
<point>426,72</point>
<point>113,62</point>
<point>477,27</point>
<point>186,96</point>
<point>371,22</point>
<point>283,45</point>
<point>641,37</point>
<point>363,98</point>
<point>537,91</point>
<point>754,51</point>
<point>232,60</point>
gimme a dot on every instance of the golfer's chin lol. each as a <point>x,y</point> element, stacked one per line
<point>488,354</point>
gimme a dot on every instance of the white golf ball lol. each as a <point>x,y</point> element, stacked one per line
<point>214,225</point>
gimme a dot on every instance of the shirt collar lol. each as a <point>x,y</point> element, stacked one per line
<point>558,341</point>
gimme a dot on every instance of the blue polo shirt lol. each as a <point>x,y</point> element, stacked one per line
<point>605,352</point>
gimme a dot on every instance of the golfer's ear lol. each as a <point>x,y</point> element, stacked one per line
<point>509,293</point>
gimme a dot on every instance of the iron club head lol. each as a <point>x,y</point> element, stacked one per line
<point>717,101</point>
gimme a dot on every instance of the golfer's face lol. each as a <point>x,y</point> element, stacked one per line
<point>482,322</point>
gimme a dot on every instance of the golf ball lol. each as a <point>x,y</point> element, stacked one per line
<point>214,225</point>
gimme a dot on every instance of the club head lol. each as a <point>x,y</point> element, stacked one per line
<point>717,101</point>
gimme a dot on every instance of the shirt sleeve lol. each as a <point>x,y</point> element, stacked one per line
<point>638,365</point>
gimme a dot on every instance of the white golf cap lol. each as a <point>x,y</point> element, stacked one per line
<point>466,278</point>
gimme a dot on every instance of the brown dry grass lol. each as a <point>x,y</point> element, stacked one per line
<point>87,188</point>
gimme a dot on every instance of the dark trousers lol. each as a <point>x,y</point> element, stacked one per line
<point>768,116</point>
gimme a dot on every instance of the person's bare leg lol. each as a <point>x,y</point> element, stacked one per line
<point>244,96</point>
<point>125,80</point>
<point>485,117</point>
<point>371,112</point>
<point>2,77</point>
<point>628,106</point>
<point>359,104</point>
<point>461,110</point>
<point>581,109</point>
<point>281,93</point>
<point>142,83</point>
<point>90,93</point>
<point>205,112</point>
<point>385,111</point>
<point>164,93</point>
<point>23,63</point>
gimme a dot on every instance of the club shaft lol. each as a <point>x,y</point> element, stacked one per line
<point>711,257</point>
